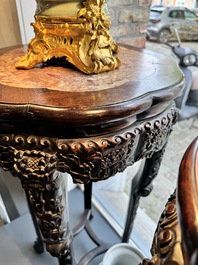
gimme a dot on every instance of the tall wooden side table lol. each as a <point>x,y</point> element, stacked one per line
<point>56,119</point>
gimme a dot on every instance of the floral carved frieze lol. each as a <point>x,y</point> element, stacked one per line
<point>38,162</point>
<point>156,133</point>
<point>26,152</point>
<point>94,158</point>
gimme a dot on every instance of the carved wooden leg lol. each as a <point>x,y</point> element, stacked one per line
<point>46,193</point>
<point>141,185</point>
<point>48,200</point>
<point>88,195</point>
<point>38,244</point>
<point>34,162</point>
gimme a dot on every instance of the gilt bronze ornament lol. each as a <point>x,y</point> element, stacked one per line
<point>74,30</point>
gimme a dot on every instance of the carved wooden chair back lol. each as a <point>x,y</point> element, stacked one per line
<point>187,203</point>
<point>176,237</point>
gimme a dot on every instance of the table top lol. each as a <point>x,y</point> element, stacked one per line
<point>52,94</point>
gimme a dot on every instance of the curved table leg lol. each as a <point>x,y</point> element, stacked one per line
<point>47,198</point>
<point>141,185</point>
<point>87,209</point>
<point>38,244</point>
<point>88,195</point>
<point>101,246</point>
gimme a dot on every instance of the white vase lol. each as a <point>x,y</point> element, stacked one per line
<point>122,254</point>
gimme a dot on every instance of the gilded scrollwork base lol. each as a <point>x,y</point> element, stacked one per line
<point>84,41</point>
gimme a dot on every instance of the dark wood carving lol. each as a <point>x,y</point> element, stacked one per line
<point>175,239</point>
<point>44,187</point>
<point>87,159</point>
<point>91,128</point>
<point>141,185</point>
<point>167,246</point>
<point>35,160</point>
<point>187,202</point>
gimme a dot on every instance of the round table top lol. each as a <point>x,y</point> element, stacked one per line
<point>60,94</point>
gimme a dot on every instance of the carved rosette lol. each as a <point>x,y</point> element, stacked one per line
<point>167,243</point>
<point>84,40</point>
<point>43,185</point>
<point>157,133</point>
<point>45,189</point>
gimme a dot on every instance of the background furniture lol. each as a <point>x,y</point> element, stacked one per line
<point>176,237</point>
<point>55,119</point>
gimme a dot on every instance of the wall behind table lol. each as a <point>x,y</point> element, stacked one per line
<point>129,21</point>
<point>9,26</point>
<point>128,17</point>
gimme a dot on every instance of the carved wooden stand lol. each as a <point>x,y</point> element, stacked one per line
<point>86,160</point>
<point>91,132</point>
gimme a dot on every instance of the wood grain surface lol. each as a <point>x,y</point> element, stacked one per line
<point>144,79</point>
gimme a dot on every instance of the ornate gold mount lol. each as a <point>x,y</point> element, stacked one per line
<point>84,40</point>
